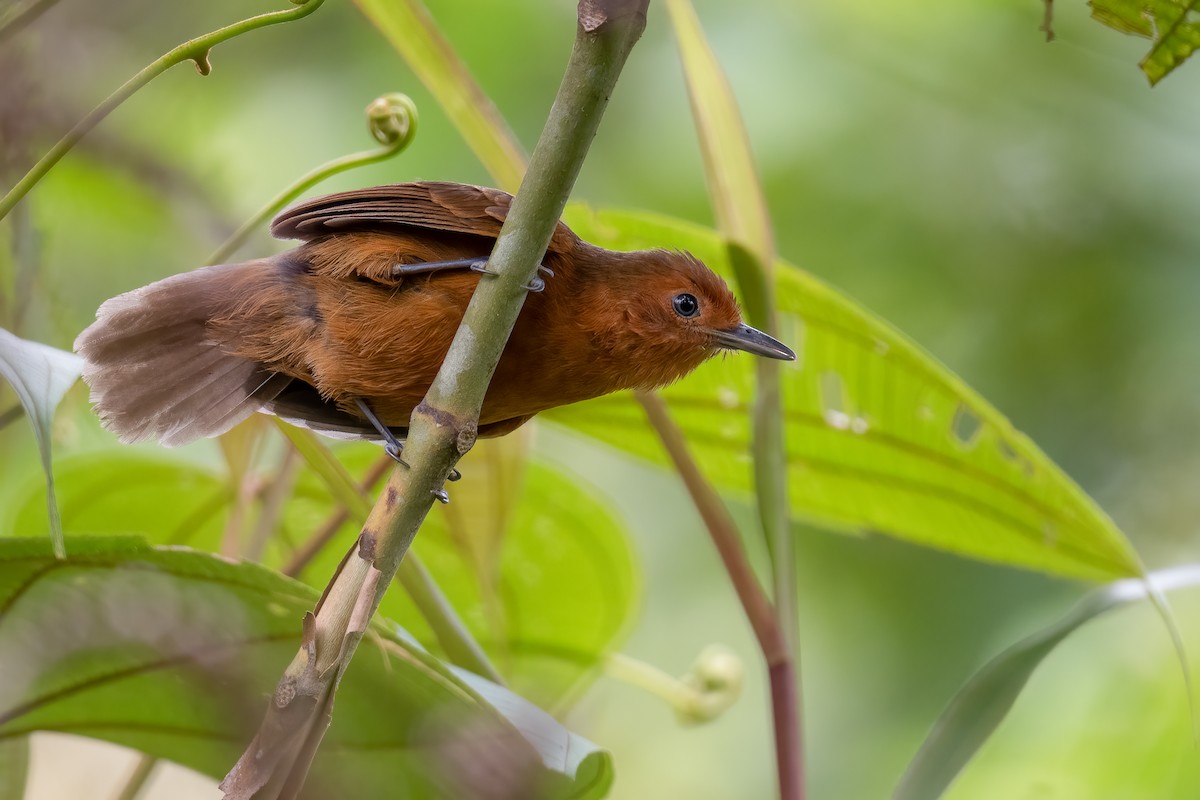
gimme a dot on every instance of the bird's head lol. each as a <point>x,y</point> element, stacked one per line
<point>674,313</point>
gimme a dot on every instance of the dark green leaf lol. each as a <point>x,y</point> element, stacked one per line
<point>171,651</point>
<point>127,491</point>
<point>548,592</point>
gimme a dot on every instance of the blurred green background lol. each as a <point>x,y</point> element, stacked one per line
<point>1025,211</point>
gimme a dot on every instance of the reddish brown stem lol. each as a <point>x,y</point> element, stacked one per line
<point>785,695</point>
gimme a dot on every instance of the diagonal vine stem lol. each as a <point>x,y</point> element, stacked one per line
<point>443,427</point>
<point>392,120</point>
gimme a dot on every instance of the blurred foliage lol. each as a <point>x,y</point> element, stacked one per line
<point>14,767</point>
<point>1022,210</point>
<point>1172,24</point>
<point>547,586</point>
<point>167,651</point>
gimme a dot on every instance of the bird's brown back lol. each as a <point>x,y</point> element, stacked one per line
<point>310,332</point>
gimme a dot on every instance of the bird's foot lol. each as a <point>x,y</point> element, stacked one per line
<point>454,475</point>
<point>442,496</point>
<point>535,285</point>
<point>391,445</point>
<point>396,451</point>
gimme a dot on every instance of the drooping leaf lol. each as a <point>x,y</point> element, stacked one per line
<point>407,25</point>
<point>548,596</point>
<point>880,437</point>
<point>563,752</point>
<point>40,375</point>
<point>170,651</point>
<point>1173,25</point>
<point>984,701</point>
<point>14,767</point>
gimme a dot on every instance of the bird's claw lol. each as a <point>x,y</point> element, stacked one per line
<point>535,285</point>
<point>391,445</point>
<point>395,450</point>
<point>454,475</point>
<point>442,496</point>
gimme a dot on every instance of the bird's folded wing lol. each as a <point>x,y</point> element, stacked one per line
<point>430,205</point>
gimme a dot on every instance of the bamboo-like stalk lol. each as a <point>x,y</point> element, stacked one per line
<point>443,427</point>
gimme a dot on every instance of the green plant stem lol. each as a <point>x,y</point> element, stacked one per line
<point>426,595</point>
<point>443,427</point>
<point>742,217</point>
<point>196,50</point>
<point>137,779</point>
<point>408,26</point>
<point>693,699</point>
<point>307,181</point>
<point>400,114</point>
<point>17,18</point>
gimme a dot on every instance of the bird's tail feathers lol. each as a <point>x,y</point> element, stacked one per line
<point>155,374</point>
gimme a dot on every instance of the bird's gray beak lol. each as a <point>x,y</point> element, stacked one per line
<point>752,340</point>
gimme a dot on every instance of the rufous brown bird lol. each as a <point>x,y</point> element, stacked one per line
<point>345,333</point>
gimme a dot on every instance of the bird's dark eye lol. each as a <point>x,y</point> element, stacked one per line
<point>686,305</point>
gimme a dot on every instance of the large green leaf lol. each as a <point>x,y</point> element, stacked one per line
<point>40,375</point>
<point>985,700</point>
<point>170,651</point>
<point>1174,25</point>
<point>879,435</point>
<point>548,592</point>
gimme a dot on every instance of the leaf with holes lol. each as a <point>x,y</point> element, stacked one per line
<point>40,375</point>
<point>879,435</point>
<point>1173,25</point>
<point>170,651</point>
